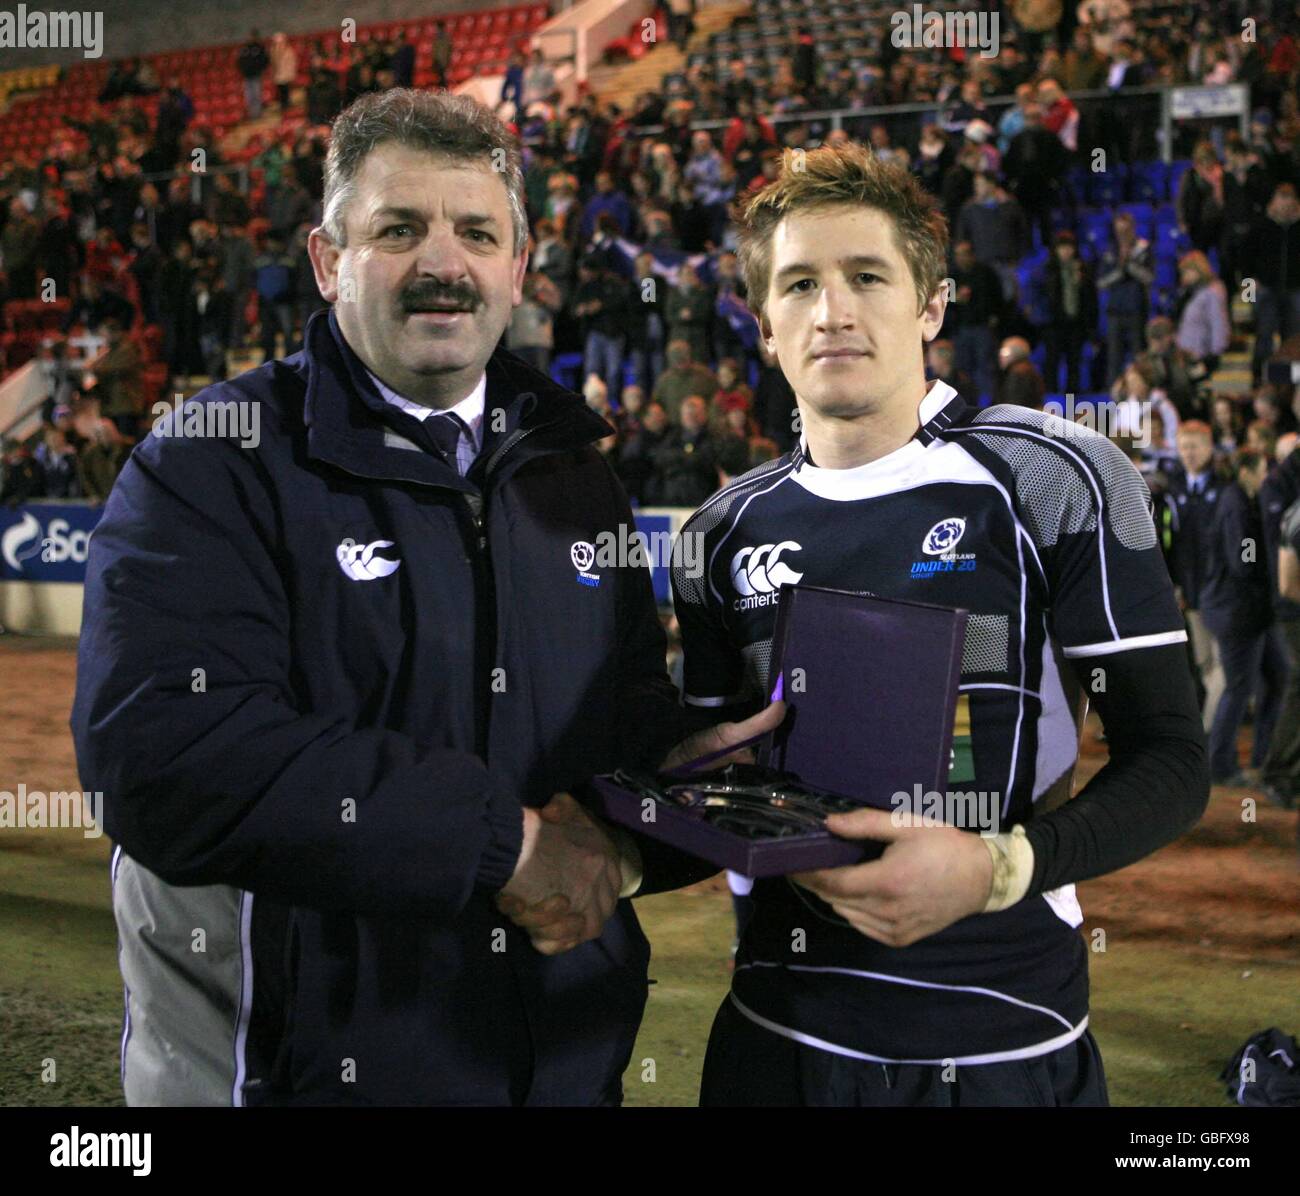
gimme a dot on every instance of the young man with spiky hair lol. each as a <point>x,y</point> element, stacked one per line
<point>950,970</point>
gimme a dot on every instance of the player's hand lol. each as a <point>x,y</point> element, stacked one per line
<point>928,878</point>
<point>566,883</point>
<point>722,735</point>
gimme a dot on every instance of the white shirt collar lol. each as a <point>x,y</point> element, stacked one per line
<point>470,409</point>
<point>936,398</point>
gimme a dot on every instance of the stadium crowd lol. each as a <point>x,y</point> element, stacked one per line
<point>633,292</point>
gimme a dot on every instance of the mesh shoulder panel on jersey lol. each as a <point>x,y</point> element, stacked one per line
<point>711,513</point>
<point>1059,466</point>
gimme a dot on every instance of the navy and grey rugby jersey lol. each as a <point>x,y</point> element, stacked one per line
<point>1042,530</point>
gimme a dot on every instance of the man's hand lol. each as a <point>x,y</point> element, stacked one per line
<point>567,880</point>
<point>928,878</point>
<point>558,893</point>
<point>723,735</point>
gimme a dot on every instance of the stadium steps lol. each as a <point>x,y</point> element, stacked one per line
<point>621,83</point>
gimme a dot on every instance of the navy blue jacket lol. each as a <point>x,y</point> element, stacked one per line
<point>1237,595</point>
<point>1190,551</point>
<point>355,751</point>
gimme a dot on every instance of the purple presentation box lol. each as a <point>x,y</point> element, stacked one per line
<point>870,686</point>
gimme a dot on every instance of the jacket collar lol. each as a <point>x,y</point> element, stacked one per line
<point>350,426</point>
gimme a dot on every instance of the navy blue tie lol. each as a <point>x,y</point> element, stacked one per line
<point>445,428</point>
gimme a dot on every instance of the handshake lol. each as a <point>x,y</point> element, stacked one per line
<point>571,869</point>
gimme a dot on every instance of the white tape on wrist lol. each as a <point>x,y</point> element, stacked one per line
<point>629,861</point>
<point>1013,868</point>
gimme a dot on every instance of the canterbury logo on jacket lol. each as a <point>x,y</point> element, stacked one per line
<point>316,680</point>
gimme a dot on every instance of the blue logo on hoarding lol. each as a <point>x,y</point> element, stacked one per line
<point>46,541</point>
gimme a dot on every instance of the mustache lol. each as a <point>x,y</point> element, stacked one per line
<point>426,293</point>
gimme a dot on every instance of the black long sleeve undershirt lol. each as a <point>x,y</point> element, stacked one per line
<point>1155,786</point>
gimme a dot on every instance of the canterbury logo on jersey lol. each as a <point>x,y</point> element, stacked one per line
<point>361,562</point>
<point>758,573</point>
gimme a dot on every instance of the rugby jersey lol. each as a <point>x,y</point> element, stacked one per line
<point>1043,531</point>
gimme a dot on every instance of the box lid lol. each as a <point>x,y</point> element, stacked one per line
<point>870,686</point>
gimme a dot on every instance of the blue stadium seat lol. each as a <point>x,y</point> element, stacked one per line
<point>566,368</point>
<point>1108,186</point>
<point>1176,169</point>
<point>1143,216</point>
<point>1148,181</point>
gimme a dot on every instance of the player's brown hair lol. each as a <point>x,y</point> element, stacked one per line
<point>828,177</point>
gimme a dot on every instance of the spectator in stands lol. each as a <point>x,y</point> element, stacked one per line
<point>1200,200</point>
<point>606,200</point>
<point>745,149</point>
<point>289,204</point>
<point>583,146</point>
<point>21,478</point>
<point>959,182</point>
<point>307,296</point>
<point>360,80</point>
<point>690,311</point>
<point>284,68</point>
<point>1019,382</point>
<point>175,111</point>
<point>101,448</point>
<point>686,460</point>
<point>933,159</point>
<point>1261,438</point>
<point>1137,404</point>
<point>1192,494</point>
<point>57,460</point>
<point>972,316</point>
<point>252,62</point>
<point>539,82</point>
<point>684,376</point>
<point>970,106</point>
<point>146,264</point>
<point>1246,193</point>
<point>646,328</point>
<point>1236,604</point>
<point>58,252</point>
<point>179,319</point>
<point>118,382</point>
<point>553,257</point>
<point>1082,68</point>
<point>602,302</point>
<point>512,86</point>
<point>1273,260</point>
<point>1201,311</point>
<point>95,304</point>
<point>18,246</point>
<point>1072,310</point>
<point>691,221</point>
<point>733,393</point>
<point>1034,167</point>
<point>1125,274</point>
<point>273,274</point>
<point>214,306</point>
<point>994,223</point>
<point>1060,116</point>
<point>226,205</point>
<point>563,208</point>
<point>402,60</point>
<point>639,444</point>
<point>441,55</point>
<point>1169,367</point>
<point>324,101</point>
<point>531,333</point>
<point>941,363</point>
<point>176,216</point>
<point>681,22</point>
<point>1227,425</point>
<point>704,171</point>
